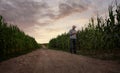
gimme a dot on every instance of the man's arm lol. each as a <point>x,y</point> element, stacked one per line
<point>70,33</point>
<point>73,33</point>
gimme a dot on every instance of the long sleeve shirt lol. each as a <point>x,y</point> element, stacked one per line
<point>72,34</point>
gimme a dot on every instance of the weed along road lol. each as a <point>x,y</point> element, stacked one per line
<point>51,61</point>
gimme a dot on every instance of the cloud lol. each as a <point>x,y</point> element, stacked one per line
<point>22,12</point>
<point>26,13</point>
<point>68,7</point>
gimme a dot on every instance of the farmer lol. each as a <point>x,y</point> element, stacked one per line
<point>73,38</point>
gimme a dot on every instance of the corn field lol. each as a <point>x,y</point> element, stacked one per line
<point>13,41</point>
<point>100,34</point>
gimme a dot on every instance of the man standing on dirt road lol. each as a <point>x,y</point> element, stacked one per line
<point>73,38</point>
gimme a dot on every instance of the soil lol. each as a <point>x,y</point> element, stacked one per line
<point>51,61</point>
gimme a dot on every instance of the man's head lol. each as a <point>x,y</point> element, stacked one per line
<point>73,27</point>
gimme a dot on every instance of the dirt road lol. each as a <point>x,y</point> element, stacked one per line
<point>51,61</point>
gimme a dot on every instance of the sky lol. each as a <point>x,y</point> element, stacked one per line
<point>46,19</point>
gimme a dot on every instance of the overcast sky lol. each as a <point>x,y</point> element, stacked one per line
<point>45,19</point>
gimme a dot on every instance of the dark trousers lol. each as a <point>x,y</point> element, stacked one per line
<point>73,46</point>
